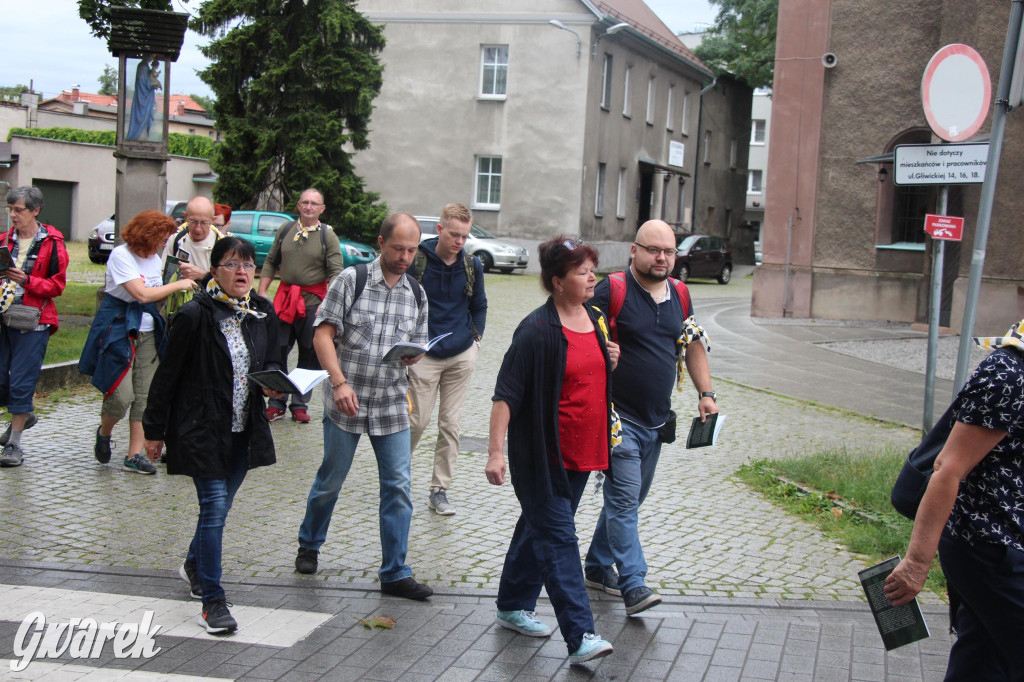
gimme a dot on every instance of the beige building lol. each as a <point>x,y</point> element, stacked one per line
<point>544,116</point>
<point>840,239</point>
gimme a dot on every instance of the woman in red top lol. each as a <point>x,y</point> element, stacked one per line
<point>552,398</point>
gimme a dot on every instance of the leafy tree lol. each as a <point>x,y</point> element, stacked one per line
<point>12,93</point>
<point>295,82</point>
<point>205,102</point>
<point>96,13</point>
<point>108,80</point>
<point>742,41</point>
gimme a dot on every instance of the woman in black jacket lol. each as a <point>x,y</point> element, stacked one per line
<point>211,415</point>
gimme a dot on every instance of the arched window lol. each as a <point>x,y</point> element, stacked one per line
<point>901,208</point>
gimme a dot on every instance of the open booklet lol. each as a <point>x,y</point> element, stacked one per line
<point>898,625</point>
<point>297,381</point>
<point>703,434</point>
<point>407,349</point>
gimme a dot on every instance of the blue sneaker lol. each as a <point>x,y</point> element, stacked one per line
<point>591,647</point>
<point>523,622</point>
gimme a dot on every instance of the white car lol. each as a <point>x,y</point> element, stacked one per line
<point>494,253</point>
<point>101,238</point>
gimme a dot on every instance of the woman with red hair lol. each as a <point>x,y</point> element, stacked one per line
<point>127,334</point>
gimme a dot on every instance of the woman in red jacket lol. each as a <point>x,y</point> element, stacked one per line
<point>29,281</point>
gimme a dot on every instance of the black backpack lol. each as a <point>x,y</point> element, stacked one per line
<point>362,272</point>
<point>917,470</point>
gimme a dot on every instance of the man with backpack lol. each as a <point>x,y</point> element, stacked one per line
<point>189,250</point>
<point>454,283</point>
<point>651,318</point>
<point>307,255</point>
<point>355,326</point>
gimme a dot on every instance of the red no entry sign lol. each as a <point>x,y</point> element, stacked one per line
<point>946,227</point>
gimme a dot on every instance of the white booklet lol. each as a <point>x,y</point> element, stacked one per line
<point>407,349</point>
<point>297,381</point>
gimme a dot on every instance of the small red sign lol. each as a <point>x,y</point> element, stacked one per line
<point>944,227</point>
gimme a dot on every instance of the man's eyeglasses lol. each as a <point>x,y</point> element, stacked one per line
<point>232,265</point>
<point>571,244</point>
<point>17,210</point>
<point>200,223</point>
<point>654,250</point>
<point>310,203</point>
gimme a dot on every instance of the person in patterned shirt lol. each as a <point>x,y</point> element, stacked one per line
<point>972,513</point>
<point>365,395</point>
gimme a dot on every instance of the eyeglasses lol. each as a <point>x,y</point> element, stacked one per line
<point>232,265</point>
<point>17,210</point>
<point>654,250</point>
<point>571,244</point>
<point>310,203</point>
<point>200,223</point>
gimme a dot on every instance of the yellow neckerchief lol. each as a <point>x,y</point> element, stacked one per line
<point>1014,337</point>
<point>615,421</point>
<point>691,332</point>
<point>239,305</point>
<point>303,231</point>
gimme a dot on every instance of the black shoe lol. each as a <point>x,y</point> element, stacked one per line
<point>406,587</point>
<point>190,574</point>
<point>640,599</point>
<point>305,561</point>
<point>102,448</point>
<point>217,619</point>
<point>30,420</point>
<point>602,578</point>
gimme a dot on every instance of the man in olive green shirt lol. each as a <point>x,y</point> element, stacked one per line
<point>306,255</point>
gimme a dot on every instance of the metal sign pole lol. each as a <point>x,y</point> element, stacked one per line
<point>988,189</point>
<point>934,309</point>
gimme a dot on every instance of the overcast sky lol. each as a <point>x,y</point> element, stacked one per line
<point>52,46</point>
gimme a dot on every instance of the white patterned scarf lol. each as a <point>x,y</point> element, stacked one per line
<point>241,306</point>
<point>691,332</point>
<point>1014,337</point>
<point>303,231</point>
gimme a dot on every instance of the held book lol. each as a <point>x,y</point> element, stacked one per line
<point>703,434</point>
<point>297,381</point>
<point>5,258</point>
<point>898,625</point>
<point>407,349</point>
<point>172,266</point>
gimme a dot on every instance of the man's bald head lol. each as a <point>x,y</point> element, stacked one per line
<point>651,268</point>
<point>199,215</point>
<point>656,230</point>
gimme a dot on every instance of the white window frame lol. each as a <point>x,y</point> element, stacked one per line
<point>707,147</point>
<point>668,108</point>
<point>627,108</point>
<point>488,176</point>
<point>620,197</point>
<point>606,82</point>
<point>757,188</point>
<point>684,128</point>
<point>650,101</point>
<point>754,128</point>
<point>497,66</point>
<point>602,171</point>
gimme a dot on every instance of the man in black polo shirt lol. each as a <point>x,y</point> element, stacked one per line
<point>649,325</point>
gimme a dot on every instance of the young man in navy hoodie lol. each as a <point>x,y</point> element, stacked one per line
<point>454,284</point>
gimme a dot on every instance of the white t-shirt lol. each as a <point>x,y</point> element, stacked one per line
<point>124,266</point>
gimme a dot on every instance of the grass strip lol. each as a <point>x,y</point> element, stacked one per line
<point>846,494</point>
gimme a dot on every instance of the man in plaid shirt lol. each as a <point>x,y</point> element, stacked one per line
<point>364,395</point>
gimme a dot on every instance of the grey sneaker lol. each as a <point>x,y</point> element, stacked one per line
<point>139,464</point>
<point>602,578</point>
<point>439,503</point>
<point>30,420</point>
<point>12,456</point>
<point>640,599</point>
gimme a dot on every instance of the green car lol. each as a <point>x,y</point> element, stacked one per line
<point>260,228</point>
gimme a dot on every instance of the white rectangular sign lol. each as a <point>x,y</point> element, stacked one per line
<point>940,164</point>
<point>675,153</point>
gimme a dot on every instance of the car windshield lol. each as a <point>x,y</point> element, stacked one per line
<point>688,242</point>
<point>480,233</point>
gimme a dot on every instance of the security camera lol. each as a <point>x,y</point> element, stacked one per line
<point>829,60</point>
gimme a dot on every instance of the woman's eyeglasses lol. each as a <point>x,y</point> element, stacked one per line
<point>571,244</point>
<point>232,265</point>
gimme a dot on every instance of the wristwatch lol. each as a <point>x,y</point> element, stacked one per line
<point>709,394</point>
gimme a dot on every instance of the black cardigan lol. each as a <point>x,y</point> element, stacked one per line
<point>190,398</point>
<point>530,382</point>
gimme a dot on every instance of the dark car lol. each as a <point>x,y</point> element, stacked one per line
<point>702,255</point>
<point>260,228</point>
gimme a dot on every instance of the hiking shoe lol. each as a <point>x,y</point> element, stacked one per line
<point>217,619</point>
<point>406,587</point>
<point>190,574</point>
<point>439,503</point>
<point>139,464</point>
<point>30,421</point>
<point>305,560</point>
<point>300,415</point>
<point>602,578</point>
<point>640,599</point>
<point>591,647</point>
<point>523,622</point>
<point>273,414</point>
<point>12,456</point>
<point>102,447</point>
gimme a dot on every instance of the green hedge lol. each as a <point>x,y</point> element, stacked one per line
<point>178,144</point>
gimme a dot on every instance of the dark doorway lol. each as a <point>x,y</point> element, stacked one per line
<point>645,197</point>
<point>57,203</point>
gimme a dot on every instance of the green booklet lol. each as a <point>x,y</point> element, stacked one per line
<point>705,433</point>
<point>898,625</point>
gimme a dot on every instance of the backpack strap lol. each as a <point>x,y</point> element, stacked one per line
<point>419,264</point>
<point>417,290</point>
<point>684,295</point>
<point>617,283</point>
<point>362,273</point>
<point>467,261</point>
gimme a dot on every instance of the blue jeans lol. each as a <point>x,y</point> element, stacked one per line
<point>630,473</point>
<point>545,551</point>
<point>215,498</point>
<point>394,469</point>
<point>21,359</point>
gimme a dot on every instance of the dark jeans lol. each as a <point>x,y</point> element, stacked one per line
<point>21,359</point>
<point>990,619</point>
<point>215,498</point>
<point>545,551</point>
<point>298,332</point>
